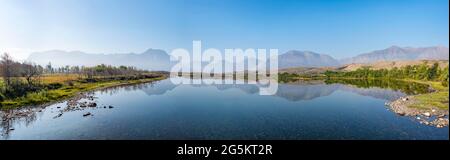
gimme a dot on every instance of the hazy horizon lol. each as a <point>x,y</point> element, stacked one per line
<point>341,29</point>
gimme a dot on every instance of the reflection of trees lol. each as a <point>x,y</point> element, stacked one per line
<point>405,87</point>
<point>10,117</point>
<point>116,89</point>
<point>311,89</point>
<point>5,124</point>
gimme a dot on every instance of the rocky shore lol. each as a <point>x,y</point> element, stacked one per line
<point>432,116</point>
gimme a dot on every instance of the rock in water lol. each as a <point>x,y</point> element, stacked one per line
<point>92,104</point>
<point>87,114</point>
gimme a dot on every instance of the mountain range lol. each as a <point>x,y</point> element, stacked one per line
<point>396,53</point>
<point>152,59</point>
<point>155,59</point>
<point>296,58</point>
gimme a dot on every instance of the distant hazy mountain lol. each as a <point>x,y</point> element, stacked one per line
<point>154,59</point>
<point>305,59</point>
<point>151,59</point>
<point>396,53</point>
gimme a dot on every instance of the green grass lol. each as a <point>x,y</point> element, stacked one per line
<point>66,91</point>
<point>438,99</point>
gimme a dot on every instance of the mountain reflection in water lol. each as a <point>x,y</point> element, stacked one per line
<point>21,121</point>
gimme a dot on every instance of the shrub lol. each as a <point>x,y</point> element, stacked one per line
<point>54,86</point>
<point>70,83</point>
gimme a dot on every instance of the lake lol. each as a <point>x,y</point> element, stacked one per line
<point>164,111</point>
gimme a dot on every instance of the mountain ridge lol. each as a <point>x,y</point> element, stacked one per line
<point>395,53</point>
<point>157,59</point>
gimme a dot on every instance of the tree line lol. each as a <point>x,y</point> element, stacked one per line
<point>99,71</point>
<point>418,72</point>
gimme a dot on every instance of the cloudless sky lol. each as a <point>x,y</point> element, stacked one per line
<point>340,28</point>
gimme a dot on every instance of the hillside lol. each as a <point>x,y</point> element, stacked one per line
<point>305,59</point>
<point>355,66</point>
<point>396,53</point>
<point>307,70</point>
<point>392,64</point>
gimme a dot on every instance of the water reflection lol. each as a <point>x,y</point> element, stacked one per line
<point>292,92</point>
<point>409,88</point>
<point>10,118</point>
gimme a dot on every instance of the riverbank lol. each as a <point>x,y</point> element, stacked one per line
<point>71,88</point>
<point>429,108</point>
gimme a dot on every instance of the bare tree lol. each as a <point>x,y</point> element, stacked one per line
<point>30,72</point>
<point>7,69</point>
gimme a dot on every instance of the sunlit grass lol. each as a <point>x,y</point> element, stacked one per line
<point>58,78</point>
<point>438,99</point>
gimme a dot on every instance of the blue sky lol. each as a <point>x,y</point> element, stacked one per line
<point>341,28</point>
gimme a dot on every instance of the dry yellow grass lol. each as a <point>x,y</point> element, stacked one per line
<point>58,78</point>
<point>392,64</point>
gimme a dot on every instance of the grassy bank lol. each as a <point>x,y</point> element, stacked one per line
<point>438,99</point>
<point>68,86</point>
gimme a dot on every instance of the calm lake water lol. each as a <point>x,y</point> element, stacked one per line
<point>161,110</point>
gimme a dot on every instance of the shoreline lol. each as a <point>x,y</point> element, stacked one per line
<point>26,111</point>
<point>432,116</point>
<point>424,111</point>
<point>96,87</point>
<point>429,112</point>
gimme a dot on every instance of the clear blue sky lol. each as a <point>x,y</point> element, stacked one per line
<point>341,28</point>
